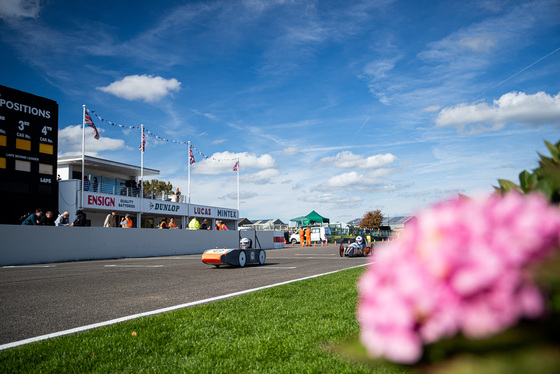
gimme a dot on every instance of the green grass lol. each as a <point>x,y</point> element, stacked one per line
<point>286,329</point>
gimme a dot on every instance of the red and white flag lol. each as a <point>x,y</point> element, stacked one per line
<point>236,166</point>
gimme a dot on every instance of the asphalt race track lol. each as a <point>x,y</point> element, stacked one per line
<point>37,300</point>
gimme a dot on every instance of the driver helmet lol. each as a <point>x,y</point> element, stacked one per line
<point>245,243</point>
<point>359,240</point>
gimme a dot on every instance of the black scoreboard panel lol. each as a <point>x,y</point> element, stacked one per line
<point>28,154</point>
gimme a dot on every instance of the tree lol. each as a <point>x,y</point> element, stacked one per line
<point>154,186</point>
<point>371,220</point>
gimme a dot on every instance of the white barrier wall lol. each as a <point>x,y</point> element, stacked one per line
<point>21,245</point>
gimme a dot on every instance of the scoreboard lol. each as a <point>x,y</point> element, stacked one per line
<point>28,154</point>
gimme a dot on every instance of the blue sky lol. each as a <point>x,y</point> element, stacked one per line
<point>336,106</point>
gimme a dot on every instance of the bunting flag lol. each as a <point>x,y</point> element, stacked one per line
<point>143,143</point>
<point>236,166</point>
<point>191,157</point>
<point>90,123</point>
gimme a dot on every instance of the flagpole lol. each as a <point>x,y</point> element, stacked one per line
<point>83,152</point>
<point>189,175</point>
<point>238,188</point>
<point>141,189</point>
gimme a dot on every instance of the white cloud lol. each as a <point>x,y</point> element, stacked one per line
<point>348,160</point>
<point>513,107</point>
<point>142,87</point>
<point>261,177</point>
<point>290,151</point>
<point>333,199</point>
<point>19,9</point>
<point>352,181</point>
<point>223,162</point>
<point>431,108</point>
<point>70,139</point>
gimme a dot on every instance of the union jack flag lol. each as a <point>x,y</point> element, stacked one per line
<point>90,123</point>
<point>191,157</point>
<point>236,166</point>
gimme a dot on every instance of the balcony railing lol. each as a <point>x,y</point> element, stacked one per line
<point>111,189</point>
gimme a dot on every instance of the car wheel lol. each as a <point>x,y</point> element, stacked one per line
<point>341,250</point>
<point>262,257</point>
<point>294,242</point>
<point>242,258</point>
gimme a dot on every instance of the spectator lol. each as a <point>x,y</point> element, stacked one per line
<point>34,218</point>
<point>163,223</point>
<point>220,226</point>
<point>80,220</point>
<point>193,224</point>
<point>123,222</point>
<point>204,225</point>
<point>111,220</point>
<point>177,195</point>
<point>86,183</point>
<point>95,185</point>
<point>47,219</point>
<point>127,224</point>
<point>63,220</point>
<point>172,224</point>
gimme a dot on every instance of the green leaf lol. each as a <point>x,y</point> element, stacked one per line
<point>554,150</point>
<point>507,186</point>
<point>527,181</point>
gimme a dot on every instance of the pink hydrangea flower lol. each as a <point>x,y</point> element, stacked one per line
<point>461,267</point>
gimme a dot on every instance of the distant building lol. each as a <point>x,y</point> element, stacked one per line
<point>113,186</point>
<point>268,224</point>
<point>390,223</point>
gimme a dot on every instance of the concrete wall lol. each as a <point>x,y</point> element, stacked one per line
<point>21,245</point>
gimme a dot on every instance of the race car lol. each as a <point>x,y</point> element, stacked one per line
<point>359,248</point>
<point>235,256</point>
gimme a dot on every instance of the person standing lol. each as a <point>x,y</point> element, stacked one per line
<point>172,224</point>
<point>111,220</point>
<point>222,226</point>
<point>193,224</point>
<point>308,236</point>
<point>95,185</point>
<point>204,225</point>
<point>163,223</point>
<point>86,183</point>
<point>127,222</point>
<point>34,218</point>
<point>301,237</point>
<point>177,195</point>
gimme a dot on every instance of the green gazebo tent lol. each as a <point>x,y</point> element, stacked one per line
<point>309,219</point>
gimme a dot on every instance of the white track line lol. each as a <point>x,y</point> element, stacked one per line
<point>158,311</point>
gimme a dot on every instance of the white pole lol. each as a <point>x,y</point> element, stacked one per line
<point>189,174</point>
<point>83,152</point>
<point>141,191</point>
<point>238,188</point>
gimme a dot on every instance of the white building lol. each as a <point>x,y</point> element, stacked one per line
<point>113,186</point>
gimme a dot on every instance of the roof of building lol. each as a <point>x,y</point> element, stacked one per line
<point>268,222</point>
<point>106,165</point>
